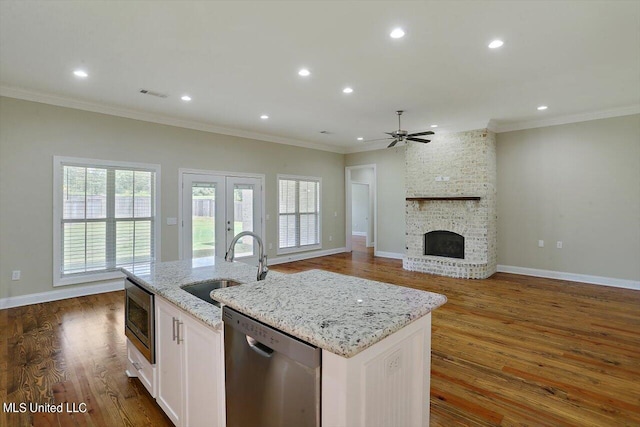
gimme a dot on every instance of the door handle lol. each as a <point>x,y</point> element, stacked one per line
<point>178,332</point>
<point>259,348</point>
<point>174,328</point>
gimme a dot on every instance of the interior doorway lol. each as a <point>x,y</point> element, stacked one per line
<point>360,211</point>
<point>361,205</point>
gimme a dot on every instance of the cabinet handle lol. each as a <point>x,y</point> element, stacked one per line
<point>174,329</point>
<point>136,365</point>
<point>178,334</point>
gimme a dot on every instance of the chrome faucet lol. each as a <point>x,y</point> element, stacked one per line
<point>262,257</point>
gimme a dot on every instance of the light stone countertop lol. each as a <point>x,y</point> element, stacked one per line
<point>167,278</point>
<point>338,313</point>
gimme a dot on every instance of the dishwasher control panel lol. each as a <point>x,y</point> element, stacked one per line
<point>276,340</point>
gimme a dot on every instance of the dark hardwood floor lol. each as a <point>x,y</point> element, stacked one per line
<point>510,350</point>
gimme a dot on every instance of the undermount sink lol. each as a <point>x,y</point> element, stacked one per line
<point>203,290</point>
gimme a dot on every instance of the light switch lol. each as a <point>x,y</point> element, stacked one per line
<point>541,243</point>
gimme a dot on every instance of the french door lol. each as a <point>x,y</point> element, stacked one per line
<point>214,209</point>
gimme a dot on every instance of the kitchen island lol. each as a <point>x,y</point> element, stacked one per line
<point>375,337</point>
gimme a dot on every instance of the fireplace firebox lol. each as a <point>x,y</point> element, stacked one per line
<point>444,243</point>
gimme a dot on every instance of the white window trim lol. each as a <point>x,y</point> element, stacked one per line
<point>57,217</point>
<point>284,251</point>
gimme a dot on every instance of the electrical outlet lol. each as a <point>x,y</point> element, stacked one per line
<point>541,243</point>
<point>330,238</point>
<point>15,275</point>
<point>559,244</point>
<point>270,245</point>
<point>393,363</point>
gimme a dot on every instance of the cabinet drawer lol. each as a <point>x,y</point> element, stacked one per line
<point>139,366</point>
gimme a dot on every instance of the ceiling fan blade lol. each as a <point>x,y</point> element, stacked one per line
<point>395,141</point>
<point>421,133</point>
<point>391,133</point>
<point>377,139</point>
<point>419,140</point>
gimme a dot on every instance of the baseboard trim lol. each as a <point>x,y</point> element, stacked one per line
<point>393,255</point>
<point>21,300</point>
<point>573,277</point>
<point>305,255</point>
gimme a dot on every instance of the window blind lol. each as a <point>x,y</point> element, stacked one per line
<point>299,212</point>
<point>108,218</point>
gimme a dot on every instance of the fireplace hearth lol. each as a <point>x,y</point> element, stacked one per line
<point>444,243</point>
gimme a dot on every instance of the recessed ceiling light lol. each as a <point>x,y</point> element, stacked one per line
<point>81,74</point>
<point>397,33</point>
<point>542,107</point>
<point>304,72</point>
<point>347,90</point>
<point>186,98</point>
<point>495,44</point>
<point>360,138</point>
<point>264,117</point>
<point>434,126</point>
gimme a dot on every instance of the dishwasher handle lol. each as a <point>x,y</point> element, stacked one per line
<point>258,347</point>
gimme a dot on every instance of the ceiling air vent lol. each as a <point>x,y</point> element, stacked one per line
<point>152,93</point>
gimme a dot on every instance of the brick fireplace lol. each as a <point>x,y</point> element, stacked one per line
<point>451,189</point>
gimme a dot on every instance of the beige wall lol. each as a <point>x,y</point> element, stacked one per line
<point>577,183</point>
<point>32,133</point>
<point>390,171</point>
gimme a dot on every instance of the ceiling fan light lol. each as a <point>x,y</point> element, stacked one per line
<point>304,72</point>
<point>397,33</point>
<point>495,44</point>
<point>347,90</point>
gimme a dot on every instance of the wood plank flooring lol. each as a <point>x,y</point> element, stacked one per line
<point>507,351</point>
<point>71,351</point>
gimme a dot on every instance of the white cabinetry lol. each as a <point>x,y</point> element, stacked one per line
<point>385,385</point>
<point>138,366</point>
<point>190,368</point>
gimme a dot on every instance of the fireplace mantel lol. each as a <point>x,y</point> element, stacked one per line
<point>421,199</point>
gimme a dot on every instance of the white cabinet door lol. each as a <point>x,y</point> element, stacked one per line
<point>204,379</point>
<point>169,360</point>
<point>190,368</point>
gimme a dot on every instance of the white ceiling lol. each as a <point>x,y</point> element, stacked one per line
<point>239,59</point>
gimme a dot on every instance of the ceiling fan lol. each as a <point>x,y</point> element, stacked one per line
<point>404,136</point>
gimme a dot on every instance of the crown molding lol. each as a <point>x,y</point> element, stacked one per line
<point>563,120</point>
<point>60,101</point>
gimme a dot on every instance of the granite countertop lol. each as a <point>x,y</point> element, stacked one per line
<point>338,313</point>
<point>167,278</point>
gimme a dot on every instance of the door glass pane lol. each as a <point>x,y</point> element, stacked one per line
<point>243,217</point>
<point>203,199</point>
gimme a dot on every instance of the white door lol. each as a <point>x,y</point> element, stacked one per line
<point>244,210</point>
<point>214,209</point>
<point>203,216</point>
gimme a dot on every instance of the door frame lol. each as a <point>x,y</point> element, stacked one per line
<point>348,200</point>
<point>183,171</point>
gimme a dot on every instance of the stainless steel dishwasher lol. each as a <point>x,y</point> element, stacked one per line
<point>272,379</point>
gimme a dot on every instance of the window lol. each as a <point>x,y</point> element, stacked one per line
<point>104,218</point>
<point>298,213</point>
